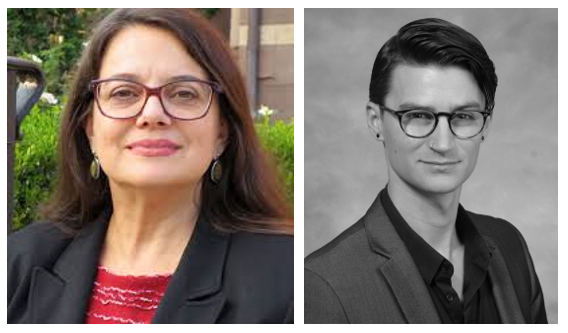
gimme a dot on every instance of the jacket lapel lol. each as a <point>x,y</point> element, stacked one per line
<point>502,286</point>
<point>410,290</point>
<point>194,294</point>
<point>61,295</point>
<point>400,270</point>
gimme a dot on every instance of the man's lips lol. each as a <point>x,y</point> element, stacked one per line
<point>441,162</point>
<point>151,147</point>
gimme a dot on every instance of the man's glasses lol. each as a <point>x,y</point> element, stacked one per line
<point>187,99</point>
<point>422,123</point>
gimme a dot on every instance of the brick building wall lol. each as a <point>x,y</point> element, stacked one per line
<point>275,56</point>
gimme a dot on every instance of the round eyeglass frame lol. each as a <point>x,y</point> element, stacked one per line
<point>156,91</point>
<point>437,115</point>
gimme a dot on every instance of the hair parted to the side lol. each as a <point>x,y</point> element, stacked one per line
<point>249,196</point>
<point>435,42</point>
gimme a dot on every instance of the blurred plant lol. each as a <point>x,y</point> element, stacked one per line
<point>209,12</point>
<point>35,162</point>
<point>52,37</point>
<point>278,138</point>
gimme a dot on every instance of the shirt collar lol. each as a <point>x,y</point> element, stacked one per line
<point>426,258</point>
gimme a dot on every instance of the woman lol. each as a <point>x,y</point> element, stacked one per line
<point>164,210</point>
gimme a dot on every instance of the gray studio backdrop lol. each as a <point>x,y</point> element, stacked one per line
<point>517,171</point>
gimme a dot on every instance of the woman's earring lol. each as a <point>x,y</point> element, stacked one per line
<point>95,167</point>
<point>378,135</point>
<point>216,171</point>
<point>482,138</point>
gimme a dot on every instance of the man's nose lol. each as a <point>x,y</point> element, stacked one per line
<point>442,137</point>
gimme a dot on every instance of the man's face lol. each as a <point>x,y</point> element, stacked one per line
<point>441,162</point>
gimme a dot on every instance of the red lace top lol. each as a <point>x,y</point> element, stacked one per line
<point>125,299</point>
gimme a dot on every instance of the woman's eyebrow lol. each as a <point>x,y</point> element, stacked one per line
<point>137,78</point>
<point>184,77</point>
<point>125,76</point>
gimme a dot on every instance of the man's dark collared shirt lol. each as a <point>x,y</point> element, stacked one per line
<point>478,305</point>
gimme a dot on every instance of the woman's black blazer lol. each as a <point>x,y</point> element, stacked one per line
<point>222,278</point>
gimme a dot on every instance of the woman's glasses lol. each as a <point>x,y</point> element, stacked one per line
<point>187,99</point>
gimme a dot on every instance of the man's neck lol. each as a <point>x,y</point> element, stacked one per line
<point>430,215</point>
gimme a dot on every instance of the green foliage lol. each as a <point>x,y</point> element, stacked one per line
<point>209,12</point>
<point>35,162</point>
<point>52,36</point>
<point>278,138</point>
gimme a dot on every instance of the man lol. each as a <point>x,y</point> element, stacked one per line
<point>417,256</point>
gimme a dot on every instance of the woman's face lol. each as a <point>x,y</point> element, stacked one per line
<point>153,149</point>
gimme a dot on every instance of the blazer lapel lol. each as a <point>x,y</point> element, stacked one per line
<point>194,294</point>
<point>410,290</point>
<point>400,270</point>
<point>61,295</point>
<point>505,297</point>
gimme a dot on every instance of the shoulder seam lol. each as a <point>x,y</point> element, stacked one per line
<point>333,290</point>
<point>334,247</point>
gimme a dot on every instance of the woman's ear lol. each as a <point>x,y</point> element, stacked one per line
<point>222,137</point>
<point>88,127</point>
<point>375,121</point>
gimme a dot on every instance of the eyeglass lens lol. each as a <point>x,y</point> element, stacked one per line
<point>463,123</point>
<point>124,99</point>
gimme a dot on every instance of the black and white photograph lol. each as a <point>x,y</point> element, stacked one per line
<point>431,166</point>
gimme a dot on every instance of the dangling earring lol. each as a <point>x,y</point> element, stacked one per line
<point>95,167</point>
<point>216,171</point>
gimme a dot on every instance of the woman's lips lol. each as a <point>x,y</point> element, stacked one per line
<point>151,152</point>
<point>152,148</point>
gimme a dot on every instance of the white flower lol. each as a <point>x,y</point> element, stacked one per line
<point>49,98</point>
<point>265,111</point>
<point>36,59</point>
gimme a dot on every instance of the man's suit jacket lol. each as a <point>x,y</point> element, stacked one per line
<point>222,278</point>
<point>367,275</point>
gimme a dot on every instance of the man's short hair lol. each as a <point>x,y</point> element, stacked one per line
<point>433,42</point>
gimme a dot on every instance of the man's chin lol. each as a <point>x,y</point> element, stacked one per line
<point>438,185</point>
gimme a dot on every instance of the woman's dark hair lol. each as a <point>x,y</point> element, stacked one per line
<point>249,195</point>
<point>433,42</point>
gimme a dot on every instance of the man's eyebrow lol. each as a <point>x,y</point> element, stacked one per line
<point>415,106</point>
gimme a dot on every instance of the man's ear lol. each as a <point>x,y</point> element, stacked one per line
<point>485,131</point>
<point>375,121</point>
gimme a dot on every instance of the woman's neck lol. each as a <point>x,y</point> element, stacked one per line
<point>149,229</point>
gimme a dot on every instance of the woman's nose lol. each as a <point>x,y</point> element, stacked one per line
<point>153,113</point>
